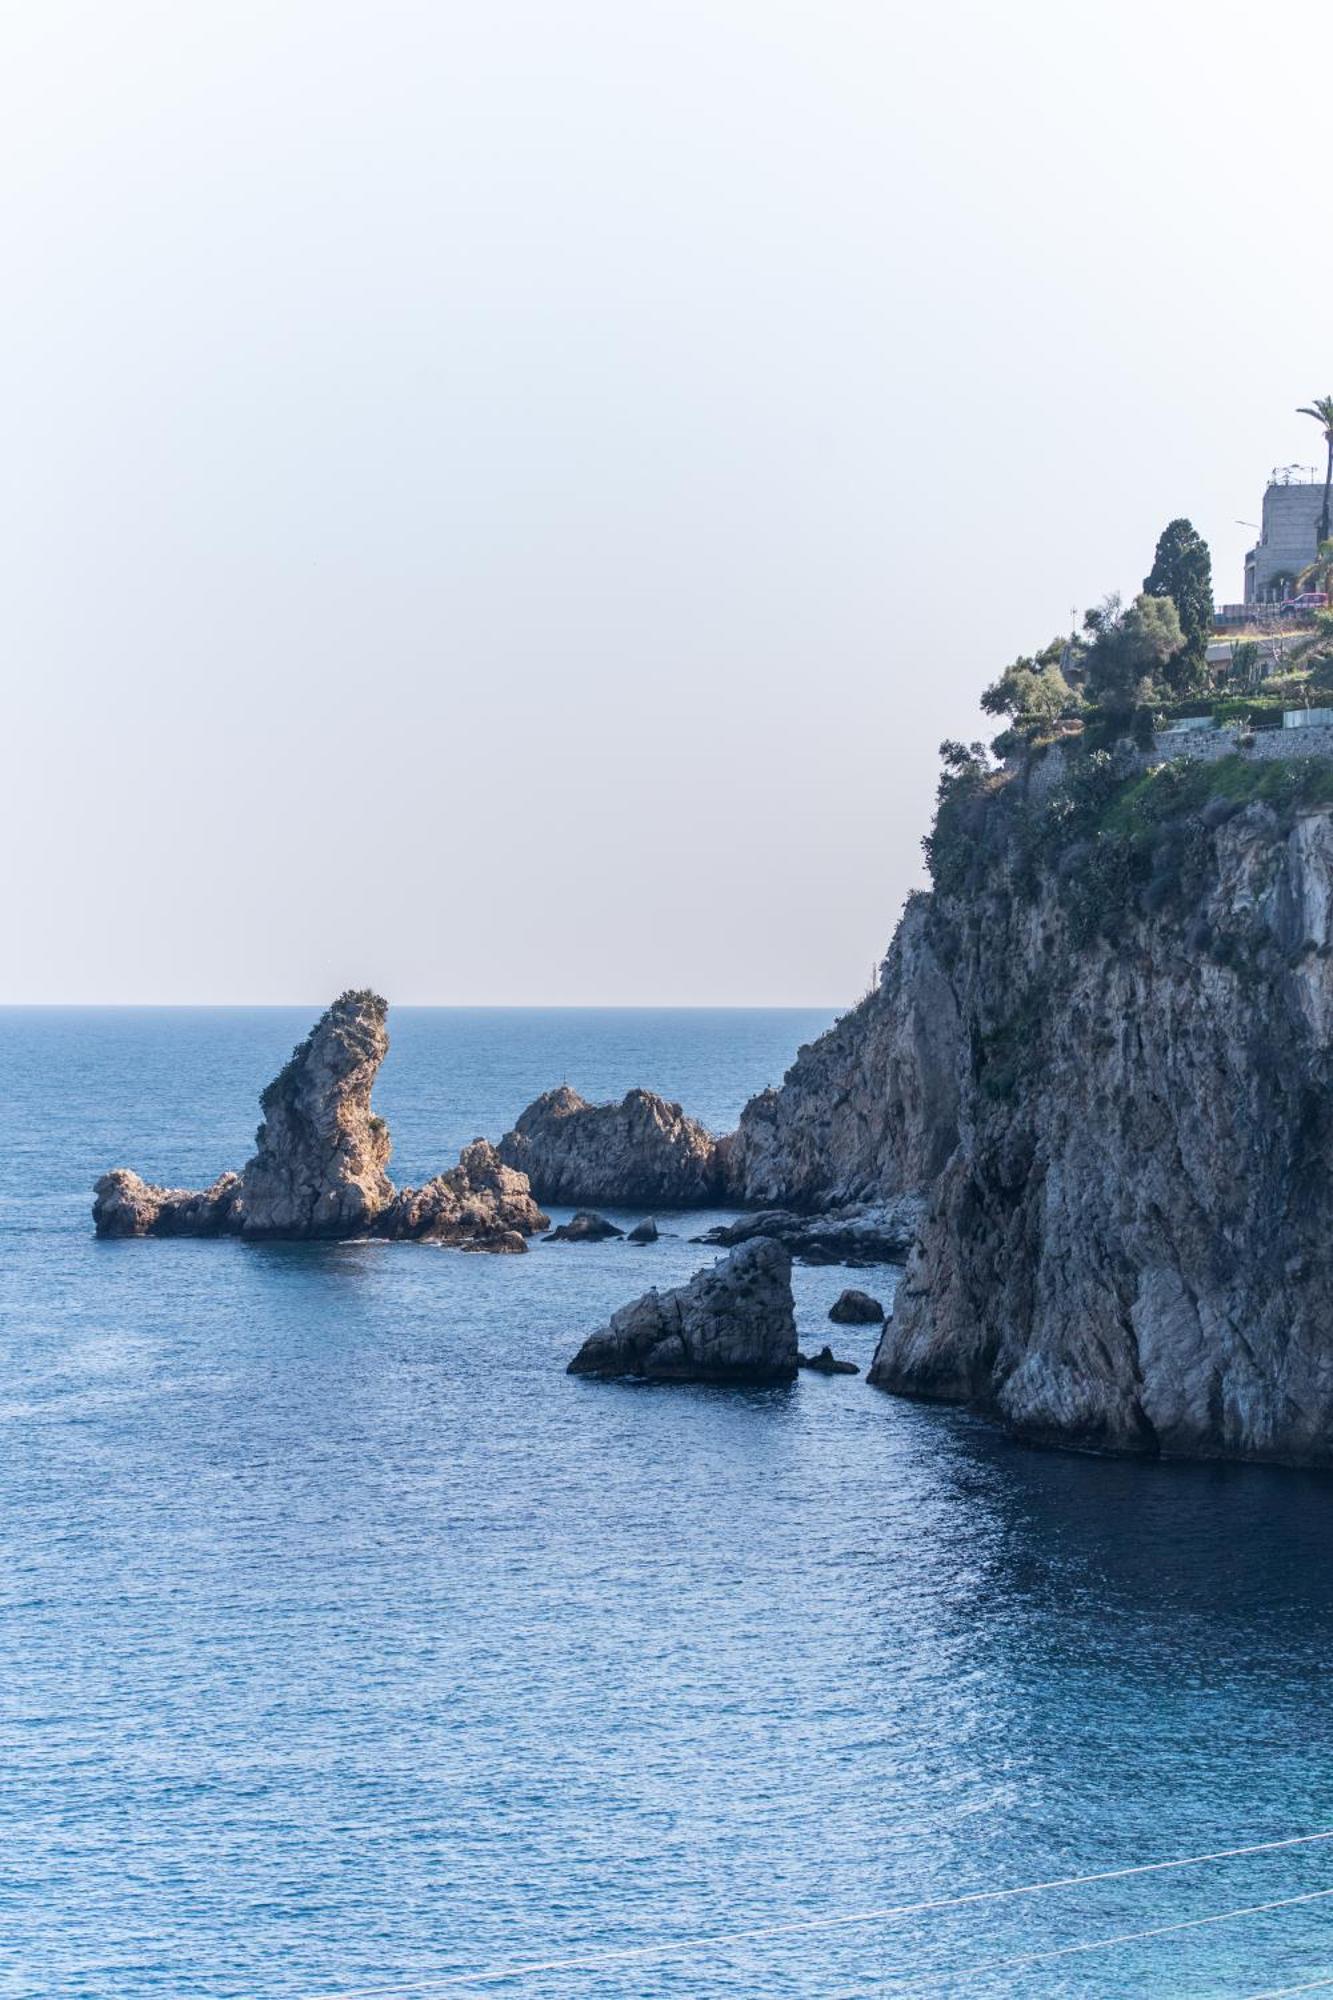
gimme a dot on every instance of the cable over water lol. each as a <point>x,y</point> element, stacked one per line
<point>664,1948</point>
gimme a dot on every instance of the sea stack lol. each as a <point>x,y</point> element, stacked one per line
<point>319,1169</point>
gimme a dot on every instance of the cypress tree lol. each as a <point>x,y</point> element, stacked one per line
<point>1183,571</point>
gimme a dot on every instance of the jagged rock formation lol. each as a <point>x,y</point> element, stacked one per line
<point>863,1233</point>
<point>125,1205</point>
<point>320,1155</point>
<point>641,1153</point>
<point>480,1204</point>
<point>643,1232</point>
<point>870,1108</point>
<point>320,1160</point>
<point>733,1323</point>
<point>853,1308</point>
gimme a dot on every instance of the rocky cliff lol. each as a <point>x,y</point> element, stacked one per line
<point>871,1108</point>
<point>319,1168</point>
<point>642,1153</point>
<point>1132,1244</point>
<point>1105,1045</point>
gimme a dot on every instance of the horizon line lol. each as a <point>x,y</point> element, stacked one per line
<point>446,1006</point>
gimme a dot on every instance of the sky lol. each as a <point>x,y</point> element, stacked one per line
<point>502,502</point>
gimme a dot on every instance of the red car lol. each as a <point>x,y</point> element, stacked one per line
<point>1309,600</point>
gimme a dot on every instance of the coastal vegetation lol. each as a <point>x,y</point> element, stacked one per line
<point>1321,409</point>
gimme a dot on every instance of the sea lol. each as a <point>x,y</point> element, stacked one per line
<point>350,1647</point>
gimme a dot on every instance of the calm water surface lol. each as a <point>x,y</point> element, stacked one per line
<point>347,1645</point>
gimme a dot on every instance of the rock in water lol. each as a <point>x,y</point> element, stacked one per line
<point>853,1308</point>
<point>825,1363</point>
<point>643,1232</point>
<point>319,1168</point>
<point>864,1233</point>
<point>321,1152</point>
<point>480,1204</point>
<point>585,1228</point>
<point>641,1153</point>
<point>125,1205</point>
<point>733,1323</point>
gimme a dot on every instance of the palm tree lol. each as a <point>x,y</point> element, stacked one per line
<point>1318,575</point>
<point>1322,411</point>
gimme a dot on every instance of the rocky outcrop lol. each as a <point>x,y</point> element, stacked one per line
<point>862,1234</point>
<point>1131,1247</point>
<point>869,1109</point>
<point>853,1308</point>
<point>320,1163</point>
<point>125,1205</point>
<point>643,1232</point>
<point>641,1153</point>
<point>319,1166</point>
<point>734,1323</point>
<point>585,1227</point>
<point>480,1204</point>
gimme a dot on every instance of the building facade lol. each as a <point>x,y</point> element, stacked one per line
<point>1289,537</point>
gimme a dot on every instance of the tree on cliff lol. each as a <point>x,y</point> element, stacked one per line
<point>1183,571</point>
<point>1321,409</point>
<point>1131,645</point>
<point>1032,690</point>
<point>1318,575</point>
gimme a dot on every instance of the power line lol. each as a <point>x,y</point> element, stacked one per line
<point>947,1978</point>
<point>595,1961</point>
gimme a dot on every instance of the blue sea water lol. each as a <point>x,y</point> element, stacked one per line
<point>349,1646</point>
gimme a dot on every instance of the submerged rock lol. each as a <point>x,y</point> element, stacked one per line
<point>826,1363</point>
<point>643,1232</point>
<point>642,1153</point>
<point>585,1228</point>
<point>863,1233</point>
<point>853,1308</point>
<point>733,1323</point>
<point>320,1160</point>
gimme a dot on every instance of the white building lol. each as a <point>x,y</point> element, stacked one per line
<point>1289,538</point>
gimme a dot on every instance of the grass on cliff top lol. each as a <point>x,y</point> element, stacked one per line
<point>1176,790</point>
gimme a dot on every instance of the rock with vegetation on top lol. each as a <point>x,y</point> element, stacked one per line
<point>1131,1246</point>
<point>585,1227</point>
<point>320,1163</point>
<point>319,1166</point>
<point>734,1323</point>
<point>853,1308</point>
<point>641,1153</point>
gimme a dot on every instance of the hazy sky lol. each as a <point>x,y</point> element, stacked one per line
<point>502,501</point>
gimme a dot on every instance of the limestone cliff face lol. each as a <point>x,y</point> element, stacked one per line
<point>871,1108</point>
<point>642,1153</point>
<point>1131,1246</point>
<point>321,1159</point>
